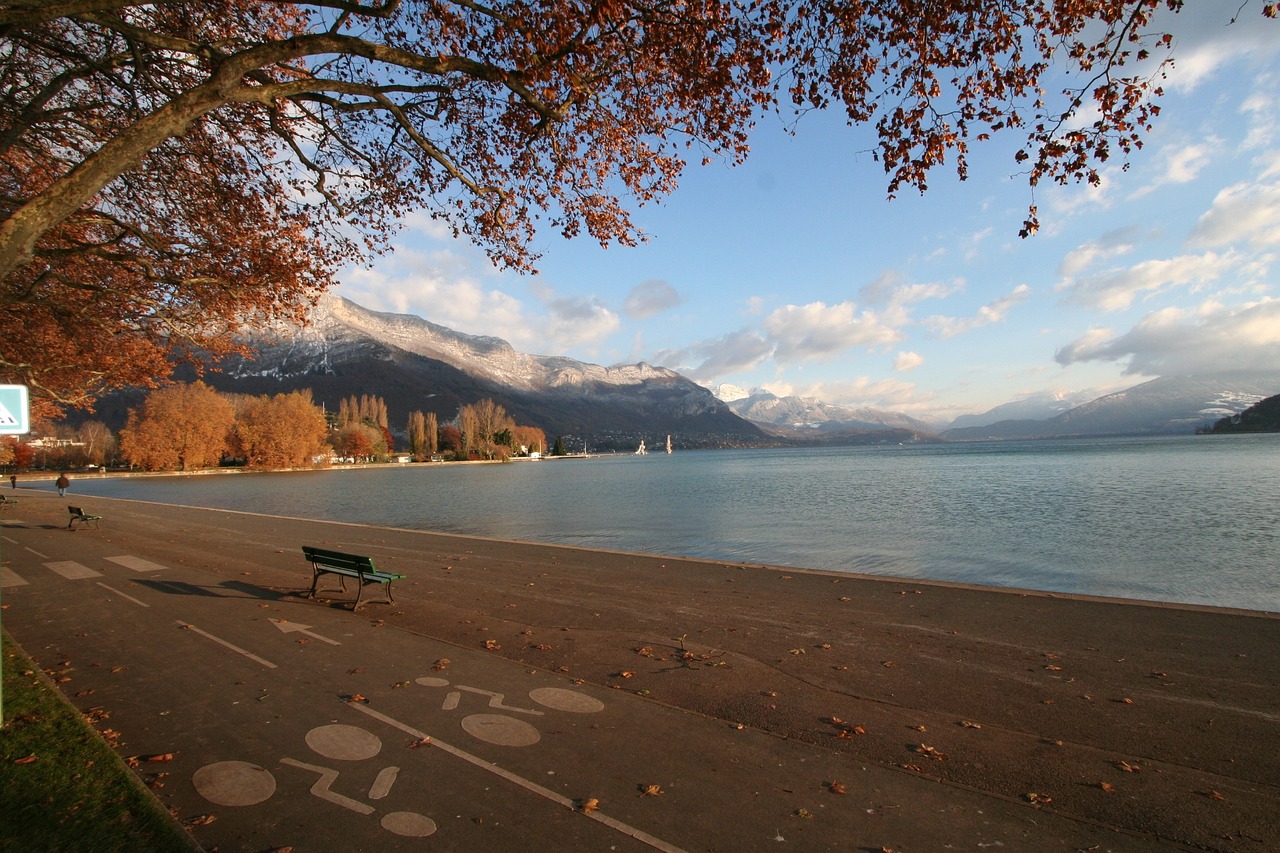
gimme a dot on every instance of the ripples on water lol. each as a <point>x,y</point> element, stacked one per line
<point>1189,519</point>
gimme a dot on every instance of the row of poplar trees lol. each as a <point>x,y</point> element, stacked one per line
<point>183,426</point>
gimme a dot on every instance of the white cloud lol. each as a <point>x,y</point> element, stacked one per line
<point>818,330</point>
<point>1117,288</point>
<point>707,361</point>
<point>1209,339</point>
<point>1244,212</point>
<point>1180,164</point>
<point>904,362</point>
<point>1113,244</point>
<point>438,287</point>
<point>651,297</point>
<point>993,312</point>
<point>1206,40</point>
<point>578,321</point>
<point>863,391</point>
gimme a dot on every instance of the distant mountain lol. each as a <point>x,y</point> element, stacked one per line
<point>1034,407</point>
<point>807,420</point>
<point>416,365</point>
<point>1165,406</point>
<point>1263,416</point>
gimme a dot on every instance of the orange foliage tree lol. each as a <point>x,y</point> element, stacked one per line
<point>178,426</point>
<point>169,168</point>
<point>283,431</point>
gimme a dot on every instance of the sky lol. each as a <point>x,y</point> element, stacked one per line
<point>794,274</point>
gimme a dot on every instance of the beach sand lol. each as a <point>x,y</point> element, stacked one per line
<point>1158,720</point>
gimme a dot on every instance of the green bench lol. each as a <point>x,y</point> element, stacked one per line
<point>325,562</point>
<point>77,514</point>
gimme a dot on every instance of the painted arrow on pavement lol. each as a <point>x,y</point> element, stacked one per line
<point>288,627</point>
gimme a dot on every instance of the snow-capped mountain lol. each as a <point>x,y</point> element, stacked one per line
<point>1168,405</point>
<point>800,415</point>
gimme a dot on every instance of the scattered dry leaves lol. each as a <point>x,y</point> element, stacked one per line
<point>931,752</point>
<point>588,805</point>
<point>1038,799</point>
<point>651,790</point>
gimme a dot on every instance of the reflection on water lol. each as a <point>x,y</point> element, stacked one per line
<point>1190,519</point>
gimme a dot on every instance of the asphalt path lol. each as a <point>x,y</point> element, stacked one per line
<point>264,720</point>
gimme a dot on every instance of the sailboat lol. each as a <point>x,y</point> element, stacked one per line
<point>640,451</point>
<point>668,444</point>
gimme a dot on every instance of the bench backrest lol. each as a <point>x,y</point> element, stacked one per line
<point>75,510</point>
<point>338,560</point>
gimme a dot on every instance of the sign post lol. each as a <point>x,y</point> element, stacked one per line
<point>15,419</point>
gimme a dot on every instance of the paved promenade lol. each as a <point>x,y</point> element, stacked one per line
<point>528,697</point>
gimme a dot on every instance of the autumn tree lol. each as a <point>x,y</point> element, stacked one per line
<point>451,440</point>
<point>282,431</point>
<point>533,439</point>
<point>416,434</point>
<point>169,168</point>
<point>361,442</point>
<point>98,441</point>
<point>422,435</point>
<point>432,433</point>
<point>178,426</point>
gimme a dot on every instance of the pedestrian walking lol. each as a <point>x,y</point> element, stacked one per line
<point>62,483</point>
<point>13,481</point>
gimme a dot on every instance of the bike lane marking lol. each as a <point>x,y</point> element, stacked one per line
<point>136,563</point>
<point>126,595</point>
<point>71,570</point>
<point>8,578</point>
<point>250,655</point>
<point>528,785</point>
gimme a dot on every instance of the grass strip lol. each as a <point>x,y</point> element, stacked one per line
<point>61,787</point>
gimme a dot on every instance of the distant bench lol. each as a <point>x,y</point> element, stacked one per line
<point>77,514</point>
<point>324,562</point>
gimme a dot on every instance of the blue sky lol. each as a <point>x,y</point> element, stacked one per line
<point>793,272</point>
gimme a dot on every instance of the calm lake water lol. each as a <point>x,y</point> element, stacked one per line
<point>1185,519</point>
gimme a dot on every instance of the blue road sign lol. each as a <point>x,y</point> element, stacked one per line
<point>15,413</point>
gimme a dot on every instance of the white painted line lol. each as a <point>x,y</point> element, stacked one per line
<point>287,627</point>
<point>123,595</point>
<point>321,787</point>
<point>250,655</point>
<point>534,787</point>
<point>72,570</point>
<point>37,553</point>
<point>8,578</point>
<point>136,563</point>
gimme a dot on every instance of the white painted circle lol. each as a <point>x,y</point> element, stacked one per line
<point>566,700</point>
<point>432,681</point>
<point>504,731</point>
<point>343,743</point>
<point>234,783</point>
<point>409,824</point>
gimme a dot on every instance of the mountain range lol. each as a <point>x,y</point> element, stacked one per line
<point>415,365</point>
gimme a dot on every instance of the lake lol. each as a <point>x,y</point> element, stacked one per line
<point>1193,519</point>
